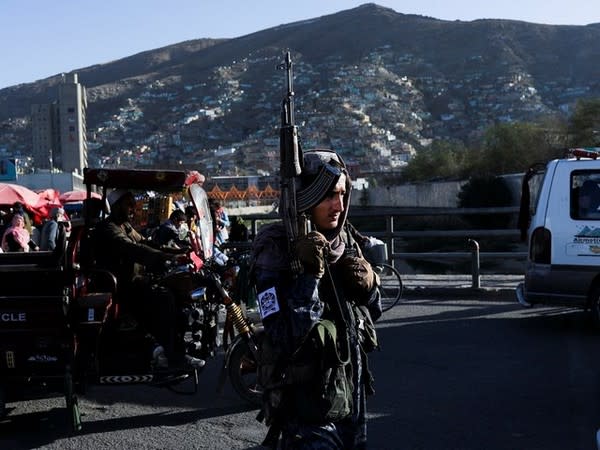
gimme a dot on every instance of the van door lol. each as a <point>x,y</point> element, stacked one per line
<point>573,214</point>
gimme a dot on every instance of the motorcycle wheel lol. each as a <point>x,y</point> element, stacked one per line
<point>242,373</point>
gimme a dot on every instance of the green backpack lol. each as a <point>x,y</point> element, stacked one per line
<point>321,379</point>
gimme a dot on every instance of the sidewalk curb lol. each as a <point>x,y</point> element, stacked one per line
<point>459,292</point>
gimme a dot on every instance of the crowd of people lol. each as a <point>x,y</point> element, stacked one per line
<point>19,234</point>
<point>317,296</point>
<point>131,256</point>
<point>123,251</point>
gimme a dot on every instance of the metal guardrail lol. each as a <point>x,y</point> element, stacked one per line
<point>391,215</point>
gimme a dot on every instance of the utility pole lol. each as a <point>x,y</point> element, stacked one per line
<point>51,168</point>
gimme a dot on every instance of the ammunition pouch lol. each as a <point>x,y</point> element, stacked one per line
<point>367,335</point>
<point>315,384</point>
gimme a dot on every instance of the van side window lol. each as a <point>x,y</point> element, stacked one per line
<point>536,183</point>
<point>585,195</point>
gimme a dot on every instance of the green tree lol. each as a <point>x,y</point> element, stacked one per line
<point>443,159</point>
<point>584,124</point>
<point>504,148</point>
<point>513,147</point>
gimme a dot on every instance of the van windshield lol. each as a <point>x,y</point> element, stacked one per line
<point>585,195</point>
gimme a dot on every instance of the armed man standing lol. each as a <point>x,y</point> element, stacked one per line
<point>317,297</point>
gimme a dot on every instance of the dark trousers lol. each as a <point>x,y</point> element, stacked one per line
<point>156,310</point>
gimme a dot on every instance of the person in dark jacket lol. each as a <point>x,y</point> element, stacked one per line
<point>121,250</point>
<point>51,229</point>
<point>239,231</point>
<point>168,233</point>
<point>335,285</point>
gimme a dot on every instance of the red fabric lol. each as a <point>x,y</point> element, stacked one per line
<point>198,262</point>
<point>194,177</point>
<point>76,196</point>
<point>49,195</point>
<point>11,193</point>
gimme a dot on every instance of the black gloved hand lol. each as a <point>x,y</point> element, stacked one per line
<point>311,250</point>
<point>357,274</point>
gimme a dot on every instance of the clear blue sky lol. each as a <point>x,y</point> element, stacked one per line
<point>41,38</point>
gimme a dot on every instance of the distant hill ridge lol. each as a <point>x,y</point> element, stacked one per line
<point>453,76</point>
<point>549,51</point>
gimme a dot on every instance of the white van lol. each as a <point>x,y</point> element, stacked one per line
<point>563,233</point>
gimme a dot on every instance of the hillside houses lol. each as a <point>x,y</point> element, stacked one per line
<point>372,112</point>
<point>377,112</point>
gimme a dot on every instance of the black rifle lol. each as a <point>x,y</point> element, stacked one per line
<point>296,224</point>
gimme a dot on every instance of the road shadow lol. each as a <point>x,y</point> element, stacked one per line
<point>486,377</point>
<point>483,375</point>
<point>539,319</point>
<point>33,429</point>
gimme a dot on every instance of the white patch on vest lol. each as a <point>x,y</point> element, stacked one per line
<point>267,302</point>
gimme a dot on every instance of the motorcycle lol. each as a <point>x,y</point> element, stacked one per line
<point>240,362</point>
<point>64,327</point>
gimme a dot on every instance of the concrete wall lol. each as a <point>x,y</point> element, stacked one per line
<point>61,181</point>
<point>443,194</point>
<point>431,195</point>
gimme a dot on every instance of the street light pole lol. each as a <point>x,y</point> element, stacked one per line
<point>51,168</point>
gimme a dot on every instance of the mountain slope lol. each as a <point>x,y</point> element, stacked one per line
<point>372,82</point>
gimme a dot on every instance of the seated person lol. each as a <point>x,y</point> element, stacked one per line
<point>16,238</point>
<point>120,249</point>
<point>170,232</point>
<point>191,217</point>
<point>51,229</point>
<point>239,231</point>
<point>589,200</point>
<point>196,254</point>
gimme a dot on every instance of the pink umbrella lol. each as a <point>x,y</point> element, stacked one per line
<point>11,193</point>
<point>76,196</point>
<point>49,195</point>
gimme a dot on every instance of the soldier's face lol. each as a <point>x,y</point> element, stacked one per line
<point>326,215</point>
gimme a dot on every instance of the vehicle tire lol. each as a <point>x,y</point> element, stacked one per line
<point>594,305</point>
<point>243,375</point>
<point>391,286</point>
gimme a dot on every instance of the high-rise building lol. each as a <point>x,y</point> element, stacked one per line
<point>72,104</point>
<point>59,129</point>
<point>44,136</point>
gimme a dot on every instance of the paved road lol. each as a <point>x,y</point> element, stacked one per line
<point>486,375</point>
<point>453,373</point>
